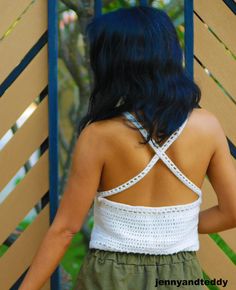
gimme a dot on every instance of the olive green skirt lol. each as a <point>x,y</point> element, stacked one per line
<point>106,270</point>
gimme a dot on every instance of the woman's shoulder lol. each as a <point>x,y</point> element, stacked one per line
<point>103,131</point>
<point>202,121</point>
<point>205,120</point>
<point>204,113</point>
<point>105,128</point>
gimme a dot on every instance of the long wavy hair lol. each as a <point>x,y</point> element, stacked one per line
<point>137,65</point>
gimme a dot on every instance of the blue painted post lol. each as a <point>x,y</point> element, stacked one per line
<point>53,119</point>
<point>143,3</point>
<point>188,37</point>
<point>97,8</point>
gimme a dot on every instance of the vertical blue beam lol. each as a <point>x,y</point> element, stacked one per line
<point>97,7</point>
<point>143,2</point>
<point>53,120</point>
<point>188,37</point>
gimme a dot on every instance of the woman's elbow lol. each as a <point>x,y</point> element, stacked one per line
<point>64,234</point>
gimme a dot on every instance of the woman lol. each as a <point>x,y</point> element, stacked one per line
<point>143,151</point>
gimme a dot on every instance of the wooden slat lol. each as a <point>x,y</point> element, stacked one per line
<point>24,142</point>
<point>20,94</point>
<point>24,196</point>
<point>229,237</point>
<point>12,9</point>
<point>26,33</point>
<point>215,263</point>
<point>220,19</point>
<point>209,200</point>
<point>214,56</point>
<point>209,197</point>
<point>214,100</point>
<point>19,256</point>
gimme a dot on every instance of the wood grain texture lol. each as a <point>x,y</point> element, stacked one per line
<point>12,10</point>
<point>217,15</point>
<point>216,101</point>
<point>24,142</point>
<point>20,94</point>
<point>24,197</point>
<point>213,55</point>
<point>26,33</point>
<point>19,256</point>
<point>215,263</point>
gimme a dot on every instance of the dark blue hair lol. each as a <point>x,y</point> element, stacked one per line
<point>137,66</point>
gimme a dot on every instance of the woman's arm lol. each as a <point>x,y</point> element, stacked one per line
<point>82,184</point>
<point>222,175</point>
<point>213,220</point>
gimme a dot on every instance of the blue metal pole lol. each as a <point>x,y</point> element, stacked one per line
<point>53,119</point>
<point>97,7</point>
<point>188,37</point>
<point>143,3</point>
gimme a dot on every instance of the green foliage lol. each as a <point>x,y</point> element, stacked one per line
<point>74,256</point>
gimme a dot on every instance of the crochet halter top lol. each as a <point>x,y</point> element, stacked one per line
<point>143,229</point>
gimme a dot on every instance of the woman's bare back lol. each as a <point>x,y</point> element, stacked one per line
<point>125,158</point>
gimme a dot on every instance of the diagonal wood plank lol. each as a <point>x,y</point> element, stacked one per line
<point>214,100</point>
<point>12,9</point>
<point>215,263</point>
<point>220,19</point>
<point>24,142</point>
<point>24,196</point>
<point>19,256</point>
<point>27,32</point>
<point>214,56</point>
<point>20,95</point>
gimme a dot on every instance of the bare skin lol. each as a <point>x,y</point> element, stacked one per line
<point>107,154</point>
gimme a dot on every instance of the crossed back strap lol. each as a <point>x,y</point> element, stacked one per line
<point>159,154</point>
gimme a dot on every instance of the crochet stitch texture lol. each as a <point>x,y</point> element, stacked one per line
<point>142,229</point>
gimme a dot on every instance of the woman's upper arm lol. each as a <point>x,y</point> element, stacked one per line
<point>83,181</point>
<point>221,170</point>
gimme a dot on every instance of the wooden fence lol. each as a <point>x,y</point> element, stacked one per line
<point>27,93</point>
<point>28,83</point>
<point>214,67</point>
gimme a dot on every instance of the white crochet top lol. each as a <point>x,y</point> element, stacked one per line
<point>143,229</point>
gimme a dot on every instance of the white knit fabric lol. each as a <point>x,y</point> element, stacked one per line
<point>142,229</point>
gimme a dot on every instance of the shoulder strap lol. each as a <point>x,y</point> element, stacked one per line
<point>153,161</point>
<point>143,131</point>
<point>160,151</point>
